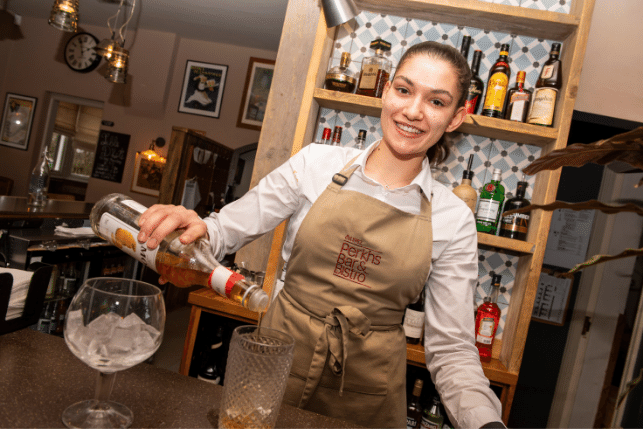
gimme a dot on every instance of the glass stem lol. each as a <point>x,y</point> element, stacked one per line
<point>104,385</point>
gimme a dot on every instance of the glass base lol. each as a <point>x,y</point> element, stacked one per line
<point>97,414</point>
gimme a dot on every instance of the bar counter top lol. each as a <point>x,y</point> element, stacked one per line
<point>40,377</point>
<point>17,207</point>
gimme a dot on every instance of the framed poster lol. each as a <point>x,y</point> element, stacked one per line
<point>202,91</point>
<point>17,118</point>
<point>147,175</point>
<point>255,93</point>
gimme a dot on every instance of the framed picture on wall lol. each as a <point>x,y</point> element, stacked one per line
<point>147,175</point>
<point>17,118</point>
<point>202,91</point>
<point>255,93</point>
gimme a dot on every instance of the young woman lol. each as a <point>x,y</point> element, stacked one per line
<point>368,231</point>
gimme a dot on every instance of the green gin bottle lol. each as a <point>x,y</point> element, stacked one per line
<point>491,198</point>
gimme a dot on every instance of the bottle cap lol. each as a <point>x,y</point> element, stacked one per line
<point>361,135</point>
<point>520,77</point>
<point>326,134</point>
<point>380,44</point>
<point>495,280</point>
<point>345,61</point>
<point>497,173</point>
<point>504,49</point>
<point>555,49</point>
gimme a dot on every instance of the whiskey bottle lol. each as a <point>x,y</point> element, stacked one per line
<point>497,84</point>
<point>546,90</point>
<point>464,190</point>
<point>414,320</point>
<point>39,183</point>
<point>414,409</point>
<point>375,71</point>
<point>115,219</point>
<point>339,78</point>
<point>337,136</point>
<point>211,370</point>
<point>464,47</point>
<point>487,320</point>
<point>361,138</point>
<point>491,198</point>
<point>433,417</point>
<point>475,86</point>
<point>518,99</point>
<point>515,225</point>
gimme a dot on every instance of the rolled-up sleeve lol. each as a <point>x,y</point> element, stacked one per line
<point>451,355</point>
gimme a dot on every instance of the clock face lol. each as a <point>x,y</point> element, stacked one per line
<point>80,53</point>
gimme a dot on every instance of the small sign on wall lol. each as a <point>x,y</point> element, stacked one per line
<point>551,300</point>
<point>111,153</point>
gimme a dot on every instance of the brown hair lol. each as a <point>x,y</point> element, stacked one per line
<point>439,152</point>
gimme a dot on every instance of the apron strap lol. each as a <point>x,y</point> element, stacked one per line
<point>346,319</point>
<point>340,179</point>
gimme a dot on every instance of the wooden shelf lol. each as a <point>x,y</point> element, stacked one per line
<point>210,300</point>
<point>473,124</point>
<point>518,246</point>
<point>478,14</point>
<point>495,371</point>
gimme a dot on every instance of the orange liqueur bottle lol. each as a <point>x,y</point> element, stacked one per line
<point>487,319</point>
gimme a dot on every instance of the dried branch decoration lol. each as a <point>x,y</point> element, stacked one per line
<point>585,205</point>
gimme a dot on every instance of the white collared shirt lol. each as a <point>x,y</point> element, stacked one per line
<point>290,190</point>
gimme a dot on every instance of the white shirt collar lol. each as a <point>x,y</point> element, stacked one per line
<point>423,180</point>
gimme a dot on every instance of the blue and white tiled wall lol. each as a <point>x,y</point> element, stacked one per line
<point>526,53</point>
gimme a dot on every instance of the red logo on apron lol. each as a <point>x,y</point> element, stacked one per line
<point>354,259</point>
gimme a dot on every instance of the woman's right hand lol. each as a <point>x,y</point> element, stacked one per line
<point>160,220</point>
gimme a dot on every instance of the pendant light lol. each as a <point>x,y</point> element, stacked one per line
<point>338,12</point>
<point>112,49</point>
<point>106,47</point>
<point>64,15</point>
<point>117,69</point>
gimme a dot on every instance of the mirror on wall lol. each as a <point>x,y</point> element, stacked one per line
<point>73,126</point>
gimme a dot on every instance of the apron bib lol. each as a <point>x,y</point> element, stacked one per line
<point>356,264</point>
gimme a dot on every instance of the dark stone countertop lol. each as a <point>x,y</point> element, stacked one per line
<point>40,377</point>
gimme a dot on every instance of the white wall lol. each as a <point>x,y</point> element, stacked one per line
<point>611,82</point>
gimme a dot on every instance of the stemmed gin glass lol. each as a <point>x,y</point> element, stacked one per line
<point>112,324</point>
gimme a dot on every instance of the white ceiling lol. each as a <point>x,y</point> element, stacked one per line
<point>252,23</point>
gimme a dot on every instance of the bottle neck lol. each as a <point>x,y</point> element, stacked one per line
<point>520,191</point>
<point>493,297</point>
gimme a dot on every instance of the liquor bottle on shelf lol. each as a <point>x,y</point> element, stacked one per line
<point>60,282</point>
<point>414,409</point>
<point>53,280</point>
<point>518,99</point>
<point>115,219</point>
<point>326,136</point>
<point>71,280</point>
<point>546,91</point>
<point>414,320</point>
<point>491,198</point>
<point>494,101</point>
<point>44,322</point>
<point>432,417</point>
<point>361,138</point>
<point>337,136</point>
<point>39,183</point>
<point>487,319</point>
<point>464,190</point>
<point>515,225</point>
<point>464,47</point>
<point>375,71</point>
<point>476,87</point>
<point>339,78</point>
<point>211,369</point>
<point>62,306</point>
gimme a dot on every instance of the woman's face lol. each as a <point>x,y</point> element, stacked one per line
<point>419,105</point>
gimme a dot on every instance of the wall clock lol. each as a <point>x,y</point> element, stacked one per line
<point>80,53</point>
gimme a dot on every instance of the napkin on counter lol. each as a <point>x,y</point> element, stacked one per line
<point>84,231</point>
<point>21,281</point>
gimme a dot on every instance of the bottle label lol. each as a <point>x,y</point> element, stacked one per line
<point>542,109</point>
<point>485,330</point>
<point>134,205</point>
<point>517,109</point>
<point>368,80</point>
<point>488,210</point>
<point>124,236</point>
<point>411,423</point>
<point>516,222</point>
<point>496,92</point>
<point>428,424</point>
<point>413,323</point>
<point>547,72</point>
<point>222,280</point>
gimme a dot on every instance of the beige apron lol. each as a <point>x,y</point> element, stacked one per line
<point>356,264</point>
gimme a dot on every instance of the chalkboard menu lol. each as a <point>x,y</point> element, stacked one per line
<point>111,154</point>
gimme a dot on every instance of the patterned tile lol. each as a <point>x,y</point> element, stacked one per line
<point>499,263</point>
<point>560,6</point>
<point>511,158</point>
<point>344,38</point>
<point>421,31</point>
<point>509,2</point>
<point>370,26</point>
<point>354,67</point>
<point>489,42</point>
<point>529,55</point>
<point>450,172</point>
<point>351,123</point>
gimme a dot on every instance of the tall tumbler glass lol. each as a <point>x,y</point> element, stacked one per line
<point>257,369</point>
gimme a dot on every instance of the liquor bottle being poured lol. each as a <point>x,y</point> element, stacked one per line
<point>115,218</point>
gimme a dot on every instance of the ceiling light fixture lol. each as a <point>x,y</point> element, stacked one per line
<point>338,12</point>
<point>64,15</point>
<point>113,49</point>
<point>117,69</point>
